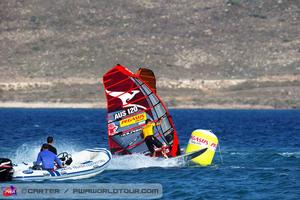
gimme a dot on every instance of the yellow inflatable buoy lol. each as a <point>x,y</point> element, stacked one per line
<point>201,139</point>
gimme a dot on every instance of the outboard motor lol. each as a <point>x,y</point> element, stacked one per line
<point>65,157</point>
<point>6,169</point>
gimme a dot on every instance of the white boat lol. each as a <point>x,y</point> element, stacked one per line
<point>86,164</point>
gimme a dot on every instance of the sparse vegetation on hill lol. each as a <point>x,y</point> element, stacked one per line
<point>233,53</point>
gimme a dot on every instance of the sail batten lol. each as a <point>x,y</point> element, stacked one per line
<point>122,81</point>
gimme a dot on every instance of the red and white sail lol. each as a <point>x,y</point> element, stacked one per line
<point>131,99</point>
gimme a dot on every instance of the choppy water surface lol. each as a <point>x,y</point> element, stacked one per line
<point>260,150</point>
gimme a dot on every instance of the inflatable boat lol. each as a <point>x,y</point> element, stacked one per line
<point>84,164</point>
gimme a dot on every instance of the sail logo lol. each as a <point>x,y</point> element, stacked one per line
<point>9,191</point>
<point>125,97</point>
<point>120,114</point>
<point>133,120</point>
<point>124,113</point>
<point>202,142</point>
<point>112,128</point>
<point>198,140</point>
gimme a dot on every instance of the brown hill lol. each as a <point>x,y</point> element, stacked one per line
<point>235,53</point>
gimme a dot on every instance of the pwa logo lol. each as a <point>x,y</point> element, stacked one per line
<point>9,191</point>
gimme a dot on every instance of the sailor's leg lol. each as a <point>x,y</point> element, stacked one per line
<point>163,151</point>
<point>158,144</point>
<point>154,154</point>
<point>148,141</point>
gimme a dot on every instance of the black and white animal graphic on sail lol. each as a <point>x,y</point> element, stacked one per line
<point>125,97</point>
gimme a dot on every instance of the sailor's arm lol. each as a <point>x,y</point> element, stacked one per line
<point>158,122</point>
<point>57,160</point>
<point>38,160</point>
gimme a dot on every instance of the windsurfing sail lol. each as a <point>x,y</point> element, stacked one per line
<point>130,101</point>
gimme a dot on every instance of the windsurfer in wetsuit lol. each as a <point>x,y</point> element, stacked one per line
<point>47,158</point>
<point>150,139</point>
<point>51,148</point>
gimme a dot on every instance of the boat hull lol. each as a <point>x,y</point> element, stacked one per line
<point>86,164</point>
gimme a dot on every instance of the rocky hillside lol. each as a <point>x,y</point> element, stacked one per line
<point>217,53</point>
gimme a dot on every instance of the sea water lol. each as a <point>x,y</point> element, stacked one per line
<point>259,155</point>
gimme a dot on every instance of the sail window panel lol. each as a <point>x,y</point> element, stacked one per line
<point>143,91</point>
<point>138,149</point>
<point>154,114</point>
<point>169,136</point>
<point>168,132</point>
<point>170,142</point>
<point>153,99</point>
<point>159,110</point>
<point>146,89</point>
<point>138,81</point>
<point>165,125</point>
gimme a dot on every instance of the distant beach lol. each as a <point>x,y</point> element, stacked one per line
<point>50,105</point>
<point>103,105</point>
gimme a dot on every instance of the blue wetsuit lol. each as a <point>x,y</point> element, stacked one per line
<point>47,159</point>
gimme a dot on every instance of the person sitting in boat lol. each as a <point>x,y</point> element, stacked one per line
<point>51,147</point>
<point>47,159</point>
<point>150,139</point>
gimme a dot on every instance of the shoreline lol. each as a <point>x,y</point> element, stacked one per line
<point>50,105</point>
